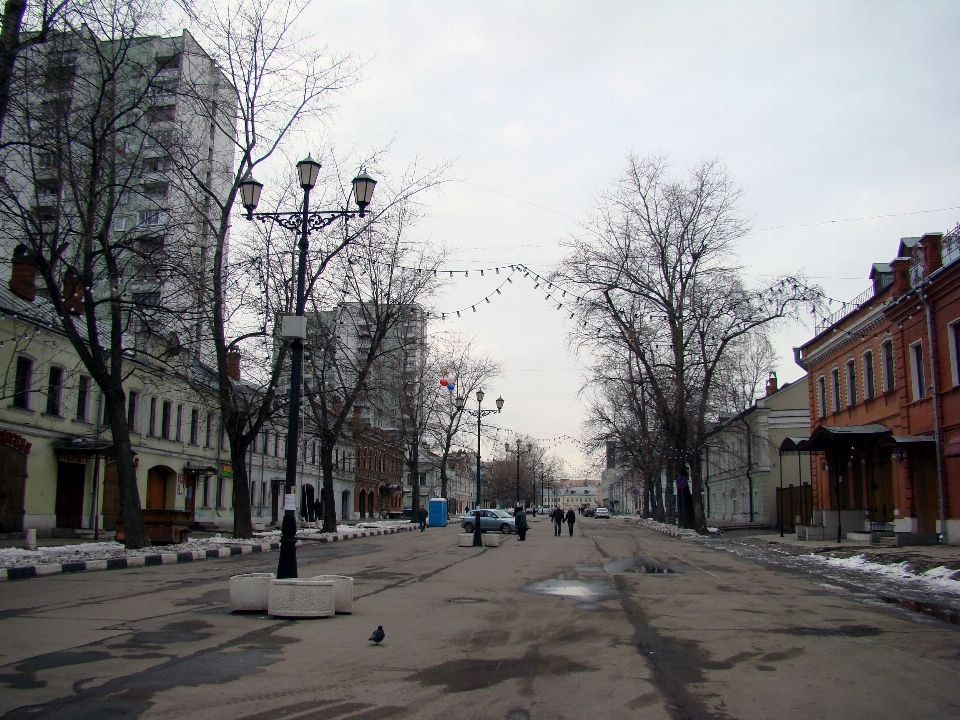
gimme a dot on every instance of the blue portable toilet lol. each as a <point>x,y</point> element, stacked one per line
<point>438,512</point>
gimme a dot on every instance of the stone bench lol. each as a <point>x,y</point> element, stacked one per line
<point>250,592</point>
<point>342,592</point>
<point>296,598</point>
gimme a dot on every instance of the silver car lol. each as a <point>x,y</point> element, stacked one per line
<point>489,520</point>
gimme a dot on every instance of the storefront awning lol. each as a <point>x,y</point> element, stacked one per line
<point>795,444</point>
<point>909,439</point>
<point>82,446</point>
<point>199,467</point>
<point>827,437</point>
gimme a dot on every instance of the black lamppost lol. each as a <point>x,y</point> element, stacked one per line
<point>519,452</point>
<point>294,327</point>
<point>480,413</point>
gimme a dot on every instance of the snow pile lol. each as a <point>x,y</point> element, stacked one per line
<point>307,532</point>
<point>666,529</point>
<point>940,578</point>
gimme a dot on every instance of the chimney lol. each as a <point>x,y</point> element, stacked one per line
<point>932,260</point>
<point>772,383</point>
<point>23,278</point>
<point>73,294</point>
<point>233,364</point>
<point>901,275</point>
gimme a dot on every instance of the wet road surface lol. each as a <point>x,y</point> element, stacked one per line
<point>616,622</point>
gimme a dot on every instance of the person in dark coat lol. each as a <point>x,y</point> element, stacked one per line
<point>571,519</point>
<point>422,517</point>
<point>557,516</point>
<point>318,513</point>
<point>520,519</point>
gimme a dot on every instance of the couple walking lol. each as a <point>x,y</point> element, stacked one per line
<point>558,518</point>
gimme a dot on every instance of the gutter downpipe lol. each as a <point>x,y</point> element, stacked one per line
<point>749,463</point>
<point>941,490</point>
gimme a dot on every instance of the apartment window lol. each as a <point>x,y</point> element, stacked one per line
<point>133,401</point>
<point>955,351</point>
<point>822,395</point>
<point>209,429</point>
<point>835,378</point>
<point>266,442</point>
<point>165,417</point>
<point>313,454</point>
<point>152,425</point>
<point>83,398</point>
<point>869,390</point>
<point>276,445</point>
<point>851,382</point>
<point>194,426</point>
<point>178,433</point>
<point>916,371</point>
<point>886,357</point>
<point>22,382</point>
<point>54,391</point>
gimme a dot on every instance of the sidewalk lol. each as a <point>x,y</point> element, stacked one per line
<point>20,564</point>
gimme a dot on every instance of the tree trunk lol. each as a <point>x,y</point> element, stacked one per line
<point>9,47</point>
<point>242,520</point>
<point>326,492</point>
<point>699,517</point>
<point>134,530</point>
<point>658,498</point>
<point>414,481</point>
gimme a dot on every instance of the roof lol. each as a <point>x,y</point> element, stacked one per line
<point>906,246</point>
<point>880,269</point>
<point>794,444</point>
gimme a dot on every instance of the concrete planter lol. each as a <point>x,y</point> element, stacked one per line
<point>250,593</point>
<point>342,592</point>
<point>301,598</point>
<point>465,540</point>
<point>492,539</point>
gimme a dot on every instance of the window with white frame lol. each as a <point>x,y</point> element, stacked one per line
<point>886,357</point>
<point>133,401</point>
<point>822,395</point>
<point>835,379</point>
<point>869,388</point>
<point>917,374</point>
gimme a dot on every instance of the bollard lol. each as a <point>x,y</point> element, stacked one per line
<point>31,539</point>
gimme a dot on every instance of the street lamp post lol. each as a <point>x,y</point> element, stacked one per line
<point>294,327</point>
<point>480,413</point>
<point>519,452</point>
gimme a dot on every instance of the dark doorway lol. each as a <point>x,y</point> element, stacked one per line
<point>306,505</point>
<point>13,466</point>
<point>111,496</point>
<point>156,489</point>
<point>274,501</point>
<point>924,471</point>
<point>69,507</point>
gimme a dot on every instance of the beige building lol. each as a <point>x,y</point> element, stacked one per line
<point>742,464</point>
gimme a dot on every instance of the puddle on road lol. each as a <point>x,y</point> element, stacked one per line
<point>935,611</point>
<point>587,592</point>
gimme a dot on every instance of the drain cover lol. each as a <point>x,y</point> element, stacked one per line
<point>465,600</point>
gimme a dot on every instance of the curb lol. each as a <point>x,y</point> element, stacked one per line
<point>137,561</point>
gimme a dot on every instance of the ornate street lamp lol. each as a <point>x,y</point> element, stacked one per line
<point>480,413</point>
<point>294,327</point>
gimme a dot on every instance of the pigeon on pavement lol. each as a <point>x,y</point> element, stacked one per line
<point>378,635</point>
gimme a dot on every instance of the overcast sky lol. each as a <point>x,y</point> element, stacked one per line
<point>839,118</point>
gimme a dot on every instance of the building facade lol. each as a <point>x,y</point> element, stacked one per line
<point>884,399</point>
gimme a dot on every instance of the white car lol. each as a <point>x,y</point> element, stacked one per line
<point>601,513</point>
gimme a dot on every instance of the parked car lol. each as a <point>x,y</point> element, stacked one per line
<point>489,520</point>
<point>589,512</point>
<point>601,513</point>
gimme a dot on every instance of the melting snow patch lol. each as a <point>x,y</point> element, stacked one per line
<point>940,578</point>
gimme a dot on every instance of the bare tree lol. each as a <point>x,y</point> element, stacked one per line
<point>654,275</point>
<point>78,128</point>
<point>455,357</point>
<point>370,308</point>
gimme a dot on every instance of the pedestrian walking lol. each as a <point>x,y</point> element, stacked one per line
<point>557,516</point>
<point>520,520</point>
<point>422,517</point>
<point>571,519</point>
<point>318,513</point>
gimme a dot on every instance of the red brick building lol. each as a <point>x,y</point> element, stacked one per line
<point>378,488</point>
<point>884,398</point>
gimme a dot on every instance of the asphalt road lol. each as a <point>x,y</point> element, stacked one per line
<point>615,622</point>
